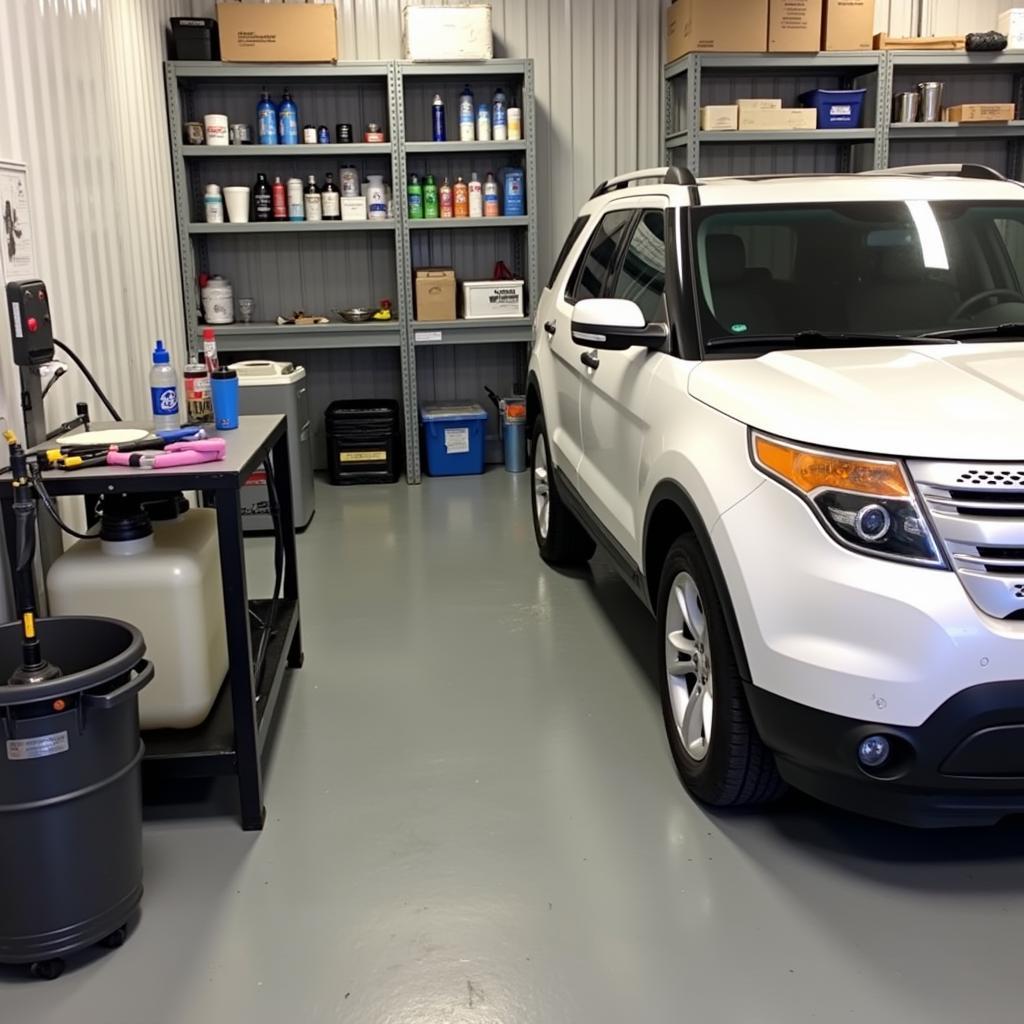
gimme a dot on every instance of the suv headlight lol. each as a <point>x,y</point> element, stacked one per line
<point>863,502</point>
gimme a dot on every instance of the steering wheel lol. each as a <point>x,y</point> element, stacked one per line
<point>976,300</point>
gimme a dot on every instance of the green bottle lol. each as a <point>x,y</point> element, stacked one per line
<point>430,208</point>
<point>415,199</point>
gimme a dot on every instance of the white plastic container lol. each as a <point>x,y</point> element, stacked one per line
<point>376,197</point>
<point>1011,24</point>
<point>435,32</point>
<point>168,584</point>
<point>218,300</point>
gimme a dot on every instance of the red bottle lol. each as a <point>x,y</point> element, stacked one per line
<point>278,202</point>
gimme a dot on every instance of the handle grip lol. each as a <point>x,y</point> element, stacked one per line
<point>105,701</point>
<point>590,359</point>
<point>551,327</point>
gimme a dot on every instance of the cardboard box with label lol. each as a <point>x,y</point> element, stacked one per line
<point>794,26</point>
<point>278,32</point>
<point>966,113</point>
<point>1011,24</point>
<point>759,103</point>
<point>721,118</point>
<point>439,32</point>
<point>711,25</point>
<point>435,293</point>
<point>778,119</point>
<point>848,25</point>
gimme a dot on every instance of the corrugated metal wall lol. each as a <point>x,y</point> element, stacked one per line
<point>81,85</point>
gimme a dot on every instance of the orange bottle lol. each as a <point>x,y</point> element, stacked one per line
<point>460,191</point>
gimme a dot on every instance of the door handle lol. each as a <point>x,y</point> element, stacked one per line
<point>590,359</point>
<point>551,327</point>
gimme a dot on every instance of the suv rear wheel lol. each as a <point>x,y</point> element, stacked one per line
<point>560,538</point>
<point>714,742</point>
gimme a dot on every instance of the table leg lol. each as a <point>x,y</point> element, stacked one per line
<point>240,668</point>
<point>283,480</point>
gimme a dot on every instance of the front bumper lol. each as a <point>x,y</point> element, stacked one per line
<point>964,765</point>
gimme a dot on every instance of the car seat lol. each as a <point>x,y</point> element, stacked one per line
<point>739,297</point>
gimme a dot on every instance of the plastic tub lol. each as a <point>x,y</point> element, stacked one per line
<point>837,108</point>
<point>454,438</point>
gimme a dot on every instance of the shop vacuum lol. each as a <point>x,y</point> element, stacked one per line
<point>70,766</point>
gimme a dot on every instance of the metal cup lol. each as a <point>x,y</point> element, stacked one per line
<point>904,107</point>
<point>931,100</point>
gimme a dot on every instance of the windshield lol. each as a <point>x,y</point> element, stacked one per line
<point>767,273</point>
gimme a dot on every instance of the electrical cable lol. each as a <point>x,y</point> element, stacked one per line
<point>53,380</point>
<point>89,377</point>
<point>47,500</point>
<point>275,515</point>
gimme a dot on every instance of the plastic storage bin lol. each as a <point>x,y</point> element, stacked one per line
<point>454,436</point>
<point>363,441</point>
<point>837,108</point>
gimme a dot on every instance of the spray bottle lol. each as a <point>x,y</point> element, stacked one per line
<point>266,119</point>
<point>437,118</point>
<point>163,390</point>
<point>288,121</point>
<point>467,116</point>
<point>499,118</point>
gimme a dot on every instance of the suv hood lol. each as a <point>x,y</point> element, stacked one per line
<point>953,401</point>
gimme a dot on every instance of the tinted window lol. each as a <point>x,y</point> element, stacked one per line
<point>641,277</point>
<point>588,280</point>
<point>570,241</point>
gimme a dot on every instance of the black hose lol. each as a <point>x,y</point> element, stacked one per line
<point>268,627</point>
<point>44,496</point>
<point>89,377</point>
<point>53,380</point>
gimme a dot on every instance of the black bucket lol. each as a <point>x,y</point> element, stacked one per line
<point>70,791</point>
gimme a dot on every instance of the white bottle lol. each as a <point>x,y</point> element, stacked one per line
<point>163,390</point>
<point>476,196</point>
<point>213,205</point>
<point>376,197</point>
<point>515,123</point>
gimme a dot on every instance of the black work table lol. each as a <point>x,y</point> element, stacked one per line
<point>233,738</point>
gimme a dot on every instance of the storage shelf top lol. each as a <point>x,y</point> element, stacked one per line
<point>966,130</point>
<point>205,69</point>
<point>284,226</point>
<point>956,59</point>
<point>823,135</point>
<point>308,149</point>
<point>271,337</point>
<point>811,63</point>
<point>499,66</point>
<point>469,222</point>
<point>454,146</point>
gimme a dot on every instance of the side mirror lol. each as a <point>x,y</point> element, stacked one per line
<point>615,325</point>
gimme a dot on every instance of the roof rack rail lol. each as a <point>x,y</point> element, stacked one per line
<point>958,170</point>
<point>668,175</point>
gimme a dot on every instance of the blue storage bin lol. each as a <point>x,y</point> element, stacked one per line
<point>837,108</point>
<point>454,435</point>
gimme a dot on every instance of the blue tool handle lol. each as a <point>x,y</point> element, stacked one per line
<point>181,434</point>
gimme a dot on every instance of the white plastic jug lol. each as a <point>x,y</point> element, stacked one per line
<point>164,578</point>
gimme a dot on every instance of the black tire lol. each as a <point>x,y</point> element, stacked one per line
<point>566,542</point>
<point>737,769</point>
<point>116,939</point>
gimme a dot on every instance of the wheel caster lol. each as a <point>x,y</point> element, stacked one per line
<point>115,940</point>
<point>47,970</point>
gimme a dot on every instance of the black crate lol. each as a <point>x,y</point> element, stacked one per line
<point>364,441</point>
<point>194,39</point>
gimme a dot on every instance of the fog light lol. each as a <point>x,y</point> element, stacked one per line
<point>873,752</point>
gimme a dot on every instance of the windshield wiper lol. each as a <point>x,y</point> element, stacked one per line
<point>992,331</point>
<point>818,339</point>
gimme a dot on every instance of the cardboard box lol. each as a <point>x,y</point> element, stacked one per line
<point>486,299</point>
<point>720,118</point>
<point>353,207</point>
<point>975,112</point>
<point>848,25</point>
<point>435,293</point>
<point>438,32</point>
<point>794,26</point>
<point>788,119</point>
<point>759,104</point>
<point>1011,24</point>
<point>278,32</point>
<point>735,25</point>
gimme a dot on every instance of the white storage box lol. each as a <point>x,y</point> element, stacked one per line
<point>432,32</point>
<point>483,300</point>
<point>353,207</point>
<point>1011,24</point>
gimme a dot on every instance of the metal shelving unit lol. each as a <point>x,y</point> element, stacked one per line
<point>270,337</point>
<point>288,227</point>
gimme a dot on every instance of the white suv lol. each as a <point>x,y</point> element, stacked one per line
<point>791,409</point>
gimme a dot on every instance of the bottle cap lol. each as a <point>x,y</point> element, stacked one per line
<point>223,373</point>
<point>213,189</point>
<point>208,334</point>
<point>160,354</point>
<point>438,102</point>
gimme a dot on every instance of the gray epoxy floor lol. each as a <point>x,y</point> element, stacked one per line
<point>473,817</point>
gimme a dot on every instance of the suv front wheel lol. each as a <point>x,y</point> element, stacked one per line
<point>714,742</point>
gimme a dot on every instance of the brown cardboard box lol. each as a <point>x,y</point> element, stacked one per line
<point>760,103</point>
<point>735,25</point>
<point>794,26</point>
<point>974,112</point>
<point>788,119</point>
<point>435,293</point>
<point>278,32</point>
<point>848,25</point>
<point>722,118</point>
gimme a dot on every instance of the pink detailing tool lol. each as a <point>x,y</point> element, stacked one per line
<point>180,453</point>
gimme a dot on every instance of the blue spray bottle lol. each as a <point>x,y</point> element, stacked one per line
<point>288,121</point>
<point>437,112</point>
<point>266,120</point>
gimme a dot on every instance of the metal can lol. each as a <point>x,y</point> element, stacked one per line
<point>323,136</point>
<point>198,406</point>
<point>241,135</point>
<point>343,132</point>
<point>295,207</point>
<point>348,181</point>
<point>309,134</point>
<point>373,133</point>
<point>194,135</point>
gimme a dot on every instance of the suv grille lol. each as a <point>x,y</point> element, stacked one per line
<point>978,514</point>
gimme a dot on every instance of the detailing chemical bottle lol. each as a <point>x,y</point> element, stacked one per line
<point>213,205</point>
<point>295,207</point>
<point>444,199</point>
<point>266,119</point>
<point>499,118</point>
<point>513,185</point>
<point>163,390</point>
<point>467,116</point>
<point>460,198</point>
<point>330,200</point>
<point>515,121</point>
<point>476,196</point>
<point>278,202</point>
<point>415,194</point>
<point>491,196</point>
<point>429,197</point>
<point>311,200</point>
<point>261,199</point>
<point>162,575</point>
<point>376,197</point>
<point>483,122</point>
<point>437,118</point>
<point>288,121</point>
<point>198,407</point>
